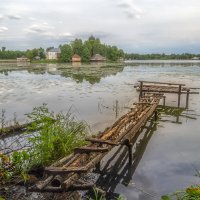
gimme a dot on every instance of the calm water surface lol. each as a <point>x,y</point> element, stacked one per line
<point>166,156</point>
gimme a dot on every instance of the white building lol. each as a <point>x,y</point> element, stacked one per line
<point>53,54</point>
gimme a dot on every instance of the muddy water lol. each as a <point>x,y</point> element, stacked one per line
<point>165,156</point>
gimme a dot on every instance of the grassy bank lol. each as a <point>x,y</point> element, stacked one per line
<point>52,136</point>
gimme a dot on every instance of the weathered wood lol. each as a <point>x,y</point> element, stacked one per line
<point>85,186</point>
<point>187,98</point>
<point>68,182</point>
<point>64,170</point>
<point>165,83</point>
<point>90,149</point>
<point>56,182</point>
<point>100,141</point>
<point>123,130</point>
<point>179,96</point>
<point>141,85</point>
<point>164,100</point>
<point>42,184</point>
<point>62,161</point>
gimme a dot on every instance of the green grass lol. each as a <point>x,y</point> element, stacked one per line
<point>53,136</point>
<point>191,193</point>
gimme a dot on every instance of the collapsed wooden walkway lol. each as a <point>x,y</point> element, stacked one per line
<point>62,175</point>
<point>163,87</point>
<point>65,173</point>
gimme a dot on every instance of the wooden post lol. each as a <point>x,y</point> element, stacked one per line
<point>117,108</point>
<point>130,154</point>
<point>179,95</point>
<point>141,86</point>
<point>187,98</point>
<point>164,100</point>
<point>98,166</point>
<point>155,115</point>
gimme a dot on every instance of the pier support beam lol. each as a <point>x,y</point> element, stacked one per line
<point>155,115</point>
<point>164,100</point>
<point>187,98</point>
<point>130,151</point>
<point>179,95</point>
<point>141,86</point>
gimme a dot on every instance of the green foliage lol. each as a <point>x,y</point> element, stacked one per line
<point>57,135</point>
<point>66,53</point>
<point>85,54</point>
<point>184,56</point>
<point>32,53</point>
<point>52,136</point>
<point>6,54</point>
<point>17,163</point>
<point>97,196</point>
<point>89,48</point>
<point>191,193</point>
<point>77,46</point>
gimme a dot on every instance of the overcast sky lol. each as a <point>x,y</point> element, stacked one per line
<point>142,26</point>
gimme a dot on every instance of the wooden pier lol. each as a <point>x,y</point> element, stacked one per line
<point>64,175</point>
<point>163,87</point>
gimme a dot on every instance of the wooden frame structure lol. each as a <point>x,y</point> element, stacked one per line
<point>64,174</point>
<point>165,87</point>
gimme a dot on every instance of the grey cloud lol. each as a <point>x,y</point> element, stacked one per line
<point>39,28</point>
<point>163,26</point>
<point>130,9</point>
<point>14,16</point>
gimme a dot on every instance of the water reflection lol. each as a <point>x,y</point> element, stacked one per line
<point>79,73</point>
<point>92,92</point>
<point>115,169</point>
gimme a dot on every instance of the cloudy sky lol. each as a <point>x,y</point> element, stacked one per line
<point>142,26</point>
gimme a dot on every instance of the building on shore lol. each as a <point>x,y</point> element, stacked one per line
<point>98,58</point>
<point>23,59</point>
<point>53,54</point>
<point>195,58</point>
<point>76,58</point>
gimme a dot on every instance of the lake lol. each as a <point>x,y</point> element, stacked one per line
<point>165,156</point>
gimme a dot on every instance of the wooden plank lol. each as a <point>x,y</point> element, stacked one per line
<point>164,83</point>
<point>42,184</point>
<point>90,149</point>
<point>64,170</point>
<point>100,141</point>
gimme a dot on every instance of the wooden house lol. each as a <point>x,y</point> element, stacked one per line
<point>76,58</point>
<point>98,58</point>
<point>53,54</point>
<point>23,59</point>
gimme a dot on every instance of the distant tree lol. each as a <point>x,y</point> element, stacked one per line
<point>66,53</point>
<point>29,54</point>
<point>85,55</point>
<point>77,46</point>
<point>3,48</point>
<point>49,48</point>
<point>41,53</point>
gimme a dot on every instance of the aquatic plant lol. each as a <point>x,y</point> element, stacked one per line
<point>57,135</point>
<point>52,136</point>
<point>191,193</point>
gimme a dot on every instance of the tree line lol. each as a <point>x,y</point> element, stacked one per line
<point>85,49</point>
<point>89,48</point>
<point>184,56</point>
